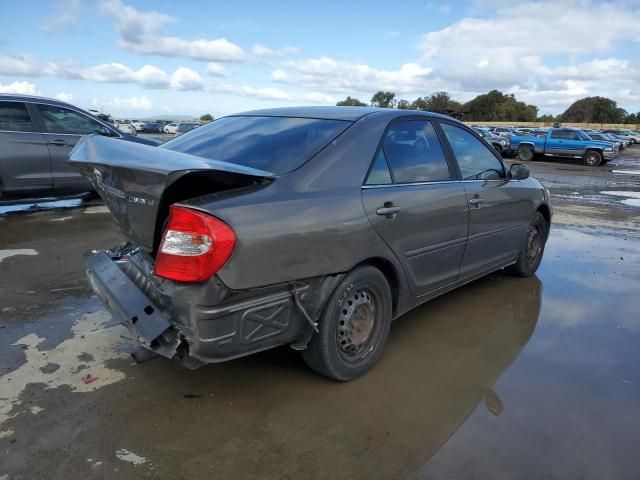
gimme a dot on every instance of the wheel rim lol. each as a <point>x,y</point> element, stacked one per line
<point>534,244</point>
<point>357,325</point>
<point>592,159</point>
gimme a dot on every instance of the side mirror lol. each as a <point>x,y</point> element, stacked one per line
<point>519,171</point>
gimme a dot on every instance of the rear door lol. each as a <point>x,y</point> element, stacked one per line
<point>63,128</point>
<point>24,157</point>
<point>417,205</point>
<point>497,206</point>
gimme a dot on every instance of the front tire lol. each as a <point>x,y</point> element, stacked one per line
<point>525,153</point>
<point>533,248</point>
<point>354,326</point>
<point>592,158</point>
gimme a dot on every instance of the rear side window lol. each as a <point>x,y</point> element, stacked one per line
<point>275,144</point>
<point>14,117</point>
<point>475,159</point>
<point>414,153</point>
<point>379,174</point>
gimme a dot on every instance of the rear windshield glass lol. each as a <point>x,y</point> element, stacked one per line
<point>274,144</point>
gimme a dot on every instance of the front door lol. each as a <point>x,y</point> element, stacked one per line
<point>415,204</point>
<point>24,157</point>
<point>63,128</point>
<point>497,206</point>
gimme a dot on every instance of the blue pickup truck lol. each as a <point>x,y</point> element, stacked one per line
<point>564,142</point>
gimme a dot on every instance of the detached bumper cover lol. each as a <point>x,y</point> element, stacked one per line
<point>128,304</point>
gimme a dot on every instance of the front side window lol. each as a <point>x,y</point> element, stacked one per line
<point>414,153</point>
<point>14,117</point>
<point>475,159</point>
<point>63,120</point>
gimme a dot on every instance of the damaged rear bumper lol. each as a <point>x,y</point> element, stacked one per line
<point>207,322</point>
<point>128,304</point>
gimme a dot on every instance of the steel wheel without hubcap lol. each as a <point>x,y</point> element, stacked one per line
<point>534,245</point>
<point>356,325</point>
<point>592,159</point>
<point>353,327</point>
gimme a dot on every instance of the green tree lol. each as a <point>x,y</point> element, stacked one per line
<point>498,107</point>
<point>207,117</point>
<point>594,110</point>
<point>420,104</point>
<point>404,105</point>
<point>546,118</point>
<point>632,119</point>
<point>383,99</point>
<point>351,102</point>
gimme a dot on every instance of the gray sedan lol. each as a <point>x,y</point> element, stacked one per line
<point>36,136</point>
<point>308,227</point>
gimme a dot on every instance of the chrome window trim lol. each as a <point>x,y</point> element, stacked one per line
<point>441,182</point>
<point>16,131</point>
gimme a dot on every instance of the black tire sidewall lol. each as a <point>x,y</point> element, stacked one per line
<point>530,155</point>
<point>323,354</point>
<point>588,154</point>
<point>521,268</point>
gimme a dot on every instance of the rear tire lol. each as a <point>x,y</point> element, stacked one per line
<point>592,158</point>
<point>498,149</point>
<point>526,153</point>
<point>531,254</point>
<point>354,326</point>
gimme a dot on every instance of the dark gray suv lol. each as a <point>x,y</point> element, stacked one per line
<point>36,136</point>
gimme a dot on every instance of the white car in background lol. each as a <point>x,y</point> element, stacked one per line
<point>126,127</point>
<point>171,128</point>
<point>138,125</point>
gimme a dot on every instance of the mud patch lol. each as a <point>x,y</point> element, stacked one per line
<point>93,332</point>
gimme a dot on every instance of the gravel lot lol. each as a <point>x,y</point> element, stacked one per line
<point>504,378</point>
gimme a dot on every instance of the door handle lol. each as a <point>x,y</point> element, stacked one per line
<point>476,201</point>
<point>60,143</point>
<point>389,210</point>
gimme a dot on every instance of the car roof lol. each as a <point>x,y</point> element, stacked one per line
<point>350,114</point>
<point>12,97</point>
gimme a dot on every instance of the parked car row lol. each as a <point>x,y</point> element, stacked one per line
<point>159,126</point>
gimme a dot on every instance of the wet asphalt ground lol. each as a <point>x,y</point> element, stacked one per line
<point>504,378</point>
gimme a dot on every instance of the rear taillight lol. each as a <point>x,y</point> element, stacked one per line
<point>194,246</point>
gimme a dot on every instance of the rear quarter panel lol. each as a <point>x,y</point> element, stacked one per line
<point>309,222</point>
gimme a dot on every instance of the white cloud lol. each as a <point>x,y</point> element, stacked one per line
<point>65,14</point>
<point>24,88</point>
<point>20,65</point>
<point>64,96</point>
<point>216,70</point>
<point>141,32</point>
<point>261,51</point>
<point>140,103</point>
<point>328,74</point>
<point>271,93</point>
<point>186,79</point>
<point>148,76</point>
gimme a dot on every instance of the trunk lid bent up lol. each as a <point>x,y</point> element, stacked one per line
<point>139,182</point>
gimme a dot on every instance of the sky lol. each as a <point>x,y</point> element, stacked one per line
<point>165,57</point>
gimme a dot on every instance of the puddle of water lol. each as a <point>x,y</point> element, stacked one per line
<point>127,456</point>
<point>628,172</point>
<point>40,205</point>
<point>633,202</point>
<point>16,251</point>
<point>622,193</point>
